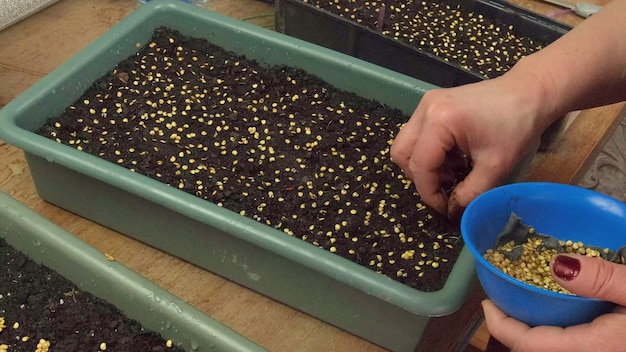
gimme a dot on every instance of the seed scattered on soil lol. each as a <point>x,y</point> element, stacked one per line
<point>42,311</point>
<point>479,44</point>
<point>274,144</point>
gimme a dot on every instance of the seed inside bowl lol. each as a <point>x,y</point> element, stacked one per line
<point>525,254</point>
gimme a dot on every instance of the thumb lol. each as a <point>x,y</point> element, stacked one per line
<point>590,277</point>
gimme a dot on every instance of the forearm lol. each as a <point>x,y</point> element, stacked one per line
<point>583,69</point>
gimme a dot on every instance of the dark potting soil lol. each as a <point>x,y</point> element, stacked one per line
<point>275,144</point>
<point>41,310</point>
<point>482,45</point>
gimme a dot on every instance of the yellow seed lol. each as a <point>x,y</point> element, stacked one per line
<point>168,343</point>
<point>43,344</point>
<point>409,254</point>
<point>103,346</point>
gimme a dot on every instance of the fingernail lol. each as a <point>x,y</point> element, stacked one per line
<point>565,267</point>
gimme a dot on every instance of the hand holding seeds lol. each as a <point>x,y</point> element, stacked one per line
<point>466,120</point>
<point>581,275</point>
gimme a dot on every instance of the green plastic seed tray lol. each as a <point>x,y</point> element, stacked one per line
<point>241,249</point>
<point>134,295</point>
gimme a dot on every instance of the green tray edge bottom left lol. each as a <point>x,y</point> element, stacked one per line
<point>138,298</point>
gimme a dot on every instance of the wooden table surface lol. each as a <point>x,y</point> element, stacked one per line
<point>37,45</point>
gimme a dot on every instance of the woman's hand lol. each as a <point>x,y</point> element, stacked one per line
<point>494,123</point>
<point>584,276</point>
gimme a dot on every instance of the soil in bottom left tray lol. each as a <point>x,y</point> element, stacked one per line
<point>44,311</point>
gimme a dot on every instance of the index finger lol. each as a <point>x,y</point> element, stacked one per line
<point>403,145</point>
<point>426,164</point>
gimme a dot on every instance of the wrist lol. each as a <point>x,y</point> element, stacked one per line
<point>534,90</point>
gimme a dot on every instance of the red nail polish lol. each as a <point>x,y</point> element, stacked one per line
<point>566,268</point>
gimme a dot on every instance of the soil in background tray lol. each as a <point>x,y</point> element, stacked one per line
<point>476,43</point>
<point>274,144</point>
<point>41,310</point>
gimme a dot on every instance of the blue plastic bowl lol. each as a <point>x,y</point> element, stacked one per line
<point>562,211</point>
